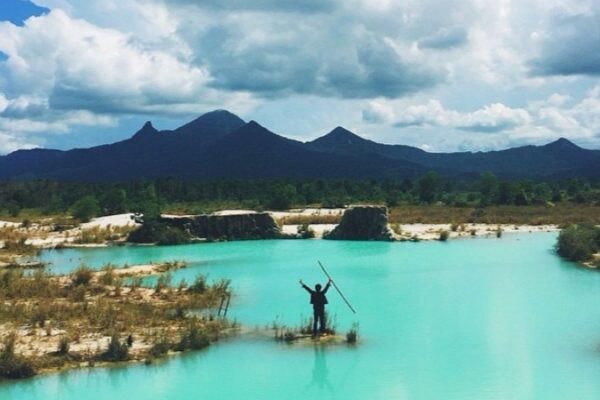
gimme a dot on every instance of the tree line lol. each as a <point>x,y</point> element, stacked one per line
<point>85,200</point>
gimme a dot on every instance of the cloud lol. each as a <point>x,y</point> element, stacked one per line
<point>304,6</point>
<point>378,112</point>
<point>538,121</point>
<point>432,113</point>
<point>10,143</point>
<point>445,38</point>
<point>312,60</point>
<point>493,118</point>
<point>77,65</point>
<point>570,45</point>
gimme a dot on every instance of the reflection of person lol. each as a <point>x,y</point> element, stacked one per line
<point>320,373</point>
<point>318,301</point>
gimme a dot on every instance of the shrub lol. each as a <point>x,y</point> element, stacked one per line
<point>193,338</point>
<point>578,242</point>
<point>63,346</point>
<point>159,348</point>
<point>86,208</point>
<point>158,232</point>
<point>396,228</point>
<point>11,365</point>
<point>108,276</point>
<point>305,231</point>
<point>116,351</point>
<point>82,276</point>
<point>199,286</point>
<point>444,235</point>
<point>352,334</point>
<point>162,282</point>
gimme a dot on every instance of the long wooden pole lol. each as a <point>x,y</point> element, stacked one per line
<point>336,287</point>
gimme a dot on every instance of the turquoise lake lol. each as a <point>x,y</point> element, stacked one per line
<point>466,319</point>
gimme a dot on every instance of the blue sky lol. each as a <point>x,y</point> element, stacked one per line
<point>441,75</point>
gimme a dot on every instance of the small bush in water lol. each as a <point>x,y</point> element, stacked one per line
<point>578,242</point>
<point>352,334</point>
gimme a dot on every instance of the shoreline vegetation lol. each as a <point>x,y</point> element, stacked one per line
<point>95,318</point>
<point>580,243</point>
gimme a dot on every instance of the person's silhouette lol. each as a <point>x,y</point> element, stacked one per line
<point>318,301</point>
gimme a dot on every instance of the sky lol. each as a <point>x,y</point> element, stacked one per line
<point>442,75</point>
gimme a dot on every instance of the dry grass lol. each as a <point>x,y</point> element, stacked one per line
<point>310,219</point>
<point>99,235</point>
<point>82,311</point>
<point>560,214</point>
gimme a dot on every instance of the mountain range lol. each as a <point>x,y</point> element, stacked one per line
<point>220,145</point>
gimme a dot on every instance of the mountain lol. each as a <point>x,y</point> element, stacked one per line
<point>221,145</point>
<point>559,159</point>
<point>212,125</point>
<point>255,152</point>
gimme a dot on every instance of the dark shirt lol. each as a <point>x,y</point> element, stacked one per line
<point>317,299</point>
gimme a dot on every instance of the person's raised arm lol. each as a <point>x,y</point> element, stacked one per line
<point>309,290</point>
<point>326,288</point>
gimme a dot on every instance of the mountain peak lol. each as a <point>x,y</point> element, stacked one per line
<point>146,130</point>
<point>562,144</point>
<point>339,136</point>
<point>215,123</point>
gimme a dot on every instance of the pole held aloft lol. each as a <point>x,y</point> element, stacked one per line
<point>336,287</point>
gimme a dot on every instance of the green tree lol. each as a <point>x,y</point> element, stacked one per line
<point>507,192</point>
<point>428,187</point>
<point>115,201</point>
<point>282,197</point>
<point>148,204</point>
<point>488,187</point>
<point>86,208</point>
<point>542,193</point>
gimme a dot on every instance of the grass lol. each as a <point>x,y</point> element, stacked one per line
<point>97,235</point>
<point>559,214</point>
<point>289,334</point>
<point>13,366</point>
<point>65,320</point>
<point>352,334</point>
<point>310,219</point>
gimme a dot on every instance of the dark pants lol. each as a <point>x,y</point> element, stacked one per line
<point>318,318</point>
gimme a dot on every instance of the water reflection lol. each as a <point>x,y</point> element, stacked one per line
<point>320,372</point>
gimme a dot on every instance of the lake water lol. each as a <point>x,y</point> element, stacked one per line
<point>466,319</point>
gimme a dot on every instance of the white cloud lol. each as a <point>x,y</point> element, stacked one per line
<point>10,143</point>
<point>493,118</point>
<point>77,65</point>
<point>537,122</point>
<point>378,112</point>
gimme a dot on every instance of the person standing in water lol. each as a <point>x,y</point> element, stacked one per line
<point>318,301</point>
